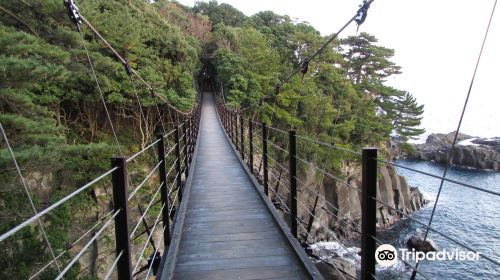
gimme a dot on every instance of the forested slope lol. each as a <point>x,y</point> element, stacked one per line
<point>52,111</point>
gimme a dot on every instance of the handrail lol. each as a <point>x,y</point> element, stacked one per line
<point>241,129</point>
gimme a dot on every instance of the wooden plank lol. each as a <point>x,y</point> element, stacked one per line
<point>201,237</point>
<point>230,254</point>
<point>204,265</point>
<point>225,212</point>
<point>242,274</point>
<point>248,217</point>
<point>193,247</point>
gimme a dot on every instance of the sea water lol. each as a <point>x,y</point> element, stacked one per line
<point>464,214</point>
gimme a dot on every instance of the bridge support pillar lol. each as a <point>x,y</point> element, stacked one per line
<point>120,203</point>
<point>369,212</point>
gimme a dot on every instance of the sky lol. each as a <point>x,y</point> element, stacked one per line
<point>436,42</point>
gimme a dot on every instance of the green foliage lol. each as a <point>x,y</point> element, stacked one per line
<point>53,115</point>
<point>407,148</point>
<point>220,13</point>
<point>52,111</point>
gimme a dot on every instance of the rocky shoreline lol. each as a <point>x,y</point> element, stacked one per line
<point>470,152</point>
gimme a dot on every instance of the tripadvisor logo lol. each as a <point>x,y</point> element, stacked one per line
<point>387,255</point>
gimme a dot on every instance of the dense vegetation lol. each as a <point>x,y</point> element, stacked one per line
<point>52,112</point>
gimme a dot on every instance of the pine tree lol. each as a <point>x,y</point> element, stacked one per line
<point>405,114</point>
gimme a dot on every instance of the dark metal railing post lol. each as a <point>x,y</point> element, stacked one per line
<point>231,125</point>
<point>293,181</point>
<point>250,144</point>
<point>191,136</point>
<point>236,130</point>
<point>178,162</point>
<point>164,190</point>
<point>120,203</point>
<point>368,212</point>
<point>264,159</point>
<point>185,148</point>
<point>242,138</point>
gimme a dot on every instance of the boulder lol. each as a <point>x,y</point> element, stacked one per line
<point>418,243</point>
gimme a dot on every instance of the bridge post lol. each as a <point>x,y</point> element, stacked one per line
<point>120,202</point>
<point>264,158</point>
<point>164,190</point>
<point>178,163</point>
<point>368,212</point>
<point>293,181</point>
<point>236,130</point>
<point>231,125</point>
<point>191,135</point>
<point>185,148</point>
<point>250,144</point>
<point>242,138</point>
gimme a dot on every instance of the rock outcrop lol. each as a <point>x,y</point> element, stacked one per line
<point>478,153</point>
<point>418,243</point>
<point>342,209</point>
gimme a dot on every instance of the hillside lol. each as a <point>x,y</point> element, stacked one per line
<point>52,107</point>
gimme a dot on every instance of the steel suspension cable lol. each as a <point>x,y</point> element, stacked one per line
<point>94,74</point>
<point>317,52</point>
<point>72,245</point>
<point>82,251</point>
<point>26,191</point>
<point>450,155</point>
<point>124,62</point>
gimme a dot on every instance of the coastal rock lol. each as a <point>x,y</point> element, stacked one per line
<point>419,244</point>
<point>477,153</point>
<point>342,209</point>
<point>343,265</point>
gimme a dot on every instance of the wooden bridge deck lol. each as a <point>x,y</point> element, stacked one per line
<point>227,231</point>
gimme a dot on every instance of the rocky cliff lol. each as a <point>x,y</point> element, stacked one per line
<point>471,152</point>
<point>341,207</point>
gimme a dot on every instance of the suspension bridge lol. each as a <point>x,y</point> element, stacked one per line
<point>228,198</point>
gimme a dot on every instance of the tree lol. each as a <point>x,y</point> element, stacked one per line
<point>220,13</point>
<point>402,109</point>
<point>368,65</point>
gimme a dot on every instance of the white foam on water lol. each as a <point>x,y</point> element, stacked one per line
<point>336,249</point>
<point>468,142</point>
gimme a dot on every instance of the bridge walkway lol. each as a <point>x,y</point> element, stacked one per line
<point>226,230</point>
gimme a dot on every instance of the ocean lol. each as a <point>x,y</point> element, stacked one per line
<point>468,215</point>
